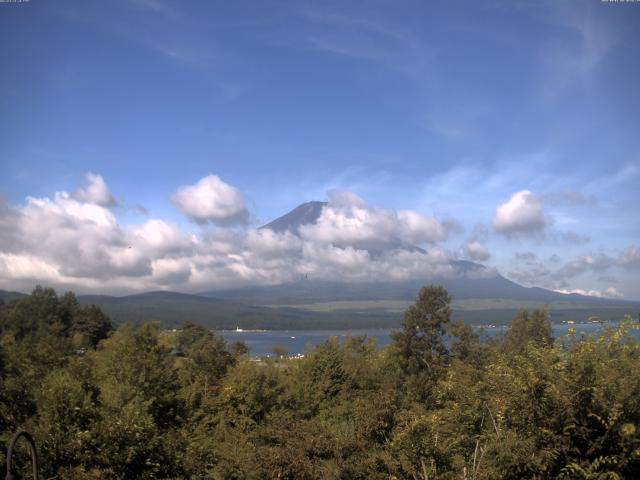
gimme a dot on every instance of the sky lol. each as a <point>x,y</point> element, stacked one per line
<point>142,142</point>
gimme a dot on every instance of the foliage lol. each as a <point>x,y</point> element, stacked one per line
<point>420,348</point>
<point>436,404</point>
<point>528,327</point>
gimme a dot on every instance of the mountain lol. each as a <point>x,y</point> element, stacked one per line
<point>481,293</point>
<point>305,214</point>
<point>173,309</point>
<point>470,280</point>
<point>7,296</point>
<point>304,292</point>
<point>316,305</point>
<point>480,296</point>
<point>475,301</point>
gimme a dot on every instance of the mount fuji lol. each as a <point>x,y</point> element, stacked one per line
<point>479,293</point>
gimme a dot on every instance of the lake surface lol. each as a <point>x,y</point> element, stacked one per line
<point>262,342</point>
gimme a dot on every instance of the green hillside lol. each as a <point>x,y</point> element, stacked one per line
<point>173,309</point>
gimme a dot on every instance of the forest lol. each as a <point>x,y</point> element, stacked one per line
<point>140,402</point>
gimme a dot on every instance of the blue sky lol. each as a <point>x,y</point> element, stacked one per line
<point>447,109</point>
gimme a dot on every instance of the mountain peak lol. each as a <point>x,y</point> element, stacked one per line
<point>304,214</point>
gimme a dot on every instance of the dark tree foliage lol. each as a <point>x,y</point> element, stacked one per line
<point>528,327</point>
<point>206,361</point>
<point>40,315</point>
<point>144,403</point>
<point>90,325</point>
<point>421,351</point>
<point>44,315</point>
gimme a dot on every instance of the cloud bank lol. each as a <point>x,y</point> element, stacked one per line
<point>347,220</point>
<point>610,292</point>
<point>532,271</point>
<point>75,241</point>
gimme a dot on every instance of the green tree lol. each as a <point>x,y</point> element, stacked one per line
<point>528,327</point>
<point>419,345</point>
<point>65,425</point>
<point>222,443</point>
<point>602,417</point>
<point>205,363</point>
<point>37,316</point>
<point>140,409</point>
<point>91,325</point>
<point>321,377</point>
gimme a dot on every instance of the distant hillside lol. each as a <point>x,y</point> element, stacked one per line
<point>175,308</point>
<point>8,296</point>
<point>172,308</point>
<point>312,291</point>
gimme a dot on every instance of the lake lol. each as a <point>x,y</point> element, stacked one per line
<point>262,342</point>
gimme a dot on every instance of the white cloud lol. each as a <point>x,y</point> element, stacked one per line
<point>171,271</point>
<point>630,258</point>
<point>347,220</point>
<point>73,242</point>
<point>83,239</point>
<point>267,243</point>
<point>76,241</point>
<point>17,266</point>
<point>589,262</point>
<point>211,200</point>
<point>521,215</point>
<point>344,199</point>
<point>95,191</point>
<point>476,251</point>
<point>419,229</point>
<point>536,273</point>
<point>610,292</point>
<point>157,237</point>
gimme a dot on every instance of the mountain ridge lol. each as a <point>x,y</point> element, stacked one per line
<point>172,309</point>
<point>461,285</point>
<point>479,294</point>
